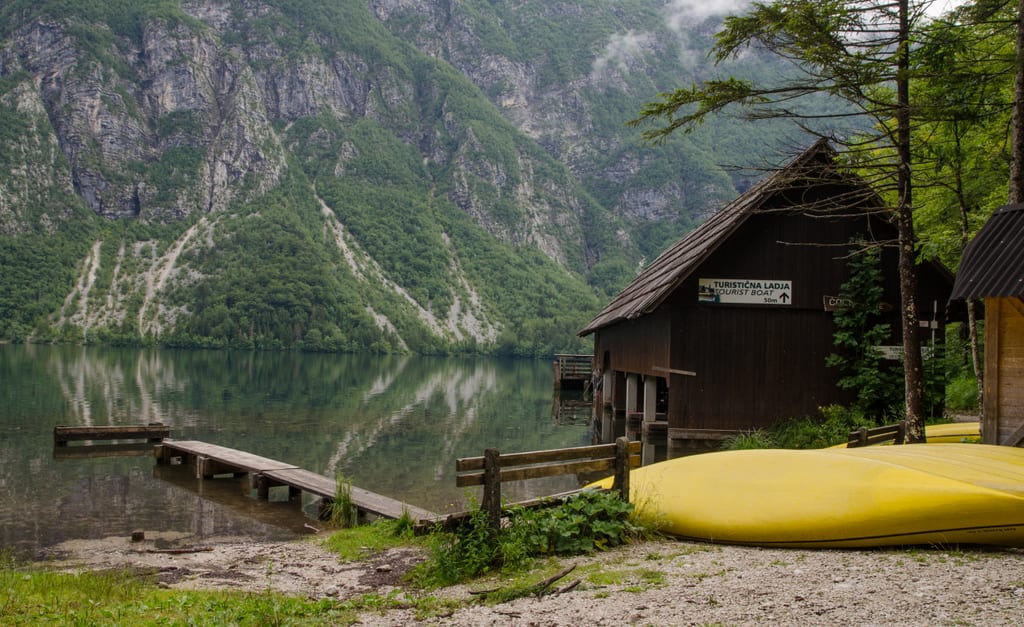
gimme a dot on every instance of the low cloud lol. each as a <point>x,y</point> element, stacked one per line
<point>620,51</point>
<point>683,13</point>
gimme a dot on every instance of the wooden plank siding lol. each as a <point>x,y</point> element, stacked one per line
<point>755,364</point>
<point>1004,371</point>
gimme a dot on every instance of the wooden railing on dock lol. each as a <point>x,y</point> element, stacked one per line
<point>494,468</point>
<point>896,434</point>
<point>153,432</point>
<point>572,371</point>
<point>210,460</point>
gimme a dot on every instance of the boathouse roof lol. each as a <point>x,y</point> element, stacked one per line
<point>811,169</point>
<point>993,263</point>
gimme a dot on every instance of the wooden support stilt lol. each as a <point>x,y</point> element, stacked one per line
<point>621,480</point>
<point>491,501</point>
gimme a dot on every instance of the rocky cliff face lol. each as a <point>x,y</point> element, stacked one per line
<point>188,118</point>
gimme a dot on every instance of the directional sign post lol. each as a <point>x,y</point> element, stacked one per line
<point>745,291</point>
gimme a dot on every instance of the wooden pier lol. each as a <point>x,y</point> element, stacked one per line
<point>573,371</point>
<point>153,432</point>
<point>210,460</point>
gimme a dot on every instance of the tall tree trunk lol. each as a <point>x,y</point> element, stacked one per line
<point>913,373</point>
<point>965,236</point>
<point>1017,132</point>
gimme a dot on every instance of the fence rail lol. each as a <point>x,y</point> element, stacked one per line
<point>896,434</point>
<point>493,468</point>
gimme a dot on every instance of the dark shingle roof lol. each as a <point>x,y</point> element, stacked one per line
<point>652,286</point>
<point>993,263</point>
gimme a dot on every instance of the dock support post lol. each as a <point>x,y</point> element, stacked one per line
<point>491,501</point>
<point>258,482</point>
<point>650,412</point>
<point>621,481</point>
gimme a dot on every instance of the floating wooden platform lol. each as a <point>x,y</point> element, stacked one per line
<point>211,459</point>
<point>153,432</point>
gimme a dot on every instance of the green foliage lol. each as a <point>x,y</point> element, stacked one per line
<point>458,556</point>
<point>588,521</point>
<point>358,541</point>
<point>342,511</point>
<point>962,393</point>
<point>832,427</point>
<point>749,440</point>
<point>30,596</point>
<point>859,331</point>
<point>591,520</point>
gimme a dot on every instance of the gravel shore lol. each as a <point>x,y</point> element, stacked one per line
<point>647,583</point>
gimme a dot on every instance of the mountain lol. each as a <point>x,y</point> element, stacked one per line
<point>384,175</point>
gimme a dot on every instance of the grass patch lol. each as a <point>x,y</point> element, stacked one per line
<point>355,543</point>
<point>32,596</point>
<point>587,522</point>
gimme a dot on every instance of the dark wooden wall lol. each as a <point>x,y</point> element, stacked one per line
<point>758,364</point>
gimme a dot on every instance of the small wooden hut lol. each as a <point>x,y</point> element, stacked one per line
<point>992,268</point>
<point>728,330</point>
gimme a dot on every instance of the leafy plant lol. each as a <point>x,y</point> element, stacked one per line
<point>749,440</point>
<point>859,333</point>
<point>591,520</point>
<point>588,521</point>
<point>343,512</point>
<point>460,555</point>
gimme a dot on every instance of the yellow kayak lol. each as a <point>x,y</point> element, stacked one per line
<point>945,432</point>
<point>942,494</point>
<point>953,432</point>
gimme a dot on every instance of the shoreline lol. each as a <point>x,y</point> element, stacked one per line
<point>647,582</point>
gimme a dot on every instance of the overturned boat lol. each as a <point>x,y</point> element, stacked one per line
<point>937,494</point>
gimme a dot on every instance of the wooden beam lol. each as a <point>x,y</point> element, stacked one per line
<point>990,400</point>
<point>1015,438</point>
<point>543,457</point>
<point>685,373</point>
<point>153,432</point>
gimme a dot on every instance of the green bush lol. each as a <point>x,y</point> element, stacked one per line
<point>460,555</point>
<point>962,393</point>
<point>591,520</point>
<point>749,440</point>
<point>588,521</point>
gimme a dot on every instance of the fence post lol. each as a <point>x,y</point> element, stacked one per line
<point>491,501</point>
<point>621,481</point>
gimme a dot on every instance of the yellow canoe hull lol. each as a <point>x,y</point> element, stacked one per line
<point>953,432</point>
<point>942,494</point>
<point>946,432</point>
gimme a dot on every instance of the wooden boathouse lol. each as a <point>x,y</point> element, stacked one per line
<point>992,268</point>
<point>728,330</point>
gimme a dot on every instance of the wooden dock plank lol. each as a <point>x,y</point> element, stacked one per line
<point>153,432</point>
<point>368,501</point>
<point>288,474</point>
<point>227,456</point>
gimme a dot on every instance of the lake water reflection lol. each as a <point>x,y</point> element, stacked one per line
<point>391,424</point>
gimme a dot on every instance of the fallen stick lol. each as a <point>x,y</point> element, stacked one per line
<point>198,549</point>
<point>541,588</point>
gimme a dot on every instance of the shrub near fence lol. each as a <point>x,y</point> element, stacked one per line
<point>493,468</point>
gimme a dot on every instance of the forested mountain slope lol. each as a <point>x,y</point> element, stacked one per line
<point>339,174</point>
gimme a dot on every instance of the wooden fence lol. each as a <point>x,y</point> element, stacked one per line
<point>896,434</point>
<point>494,468</point>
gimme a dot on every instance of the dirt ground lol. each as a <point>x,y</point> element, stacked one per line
<point>648,583</point>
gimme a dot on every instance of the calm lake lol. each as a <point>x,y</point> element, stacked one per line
<point>391,424</point>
